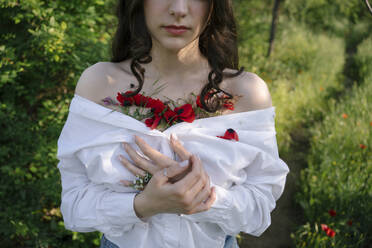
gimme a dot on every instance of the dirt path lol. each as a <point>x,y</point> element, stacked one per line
<point>287,215</point>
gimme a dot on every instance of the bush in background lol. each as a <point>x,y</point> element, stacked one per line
<point>336,186</point>
<point>332,16</point>
<point>44,46</point>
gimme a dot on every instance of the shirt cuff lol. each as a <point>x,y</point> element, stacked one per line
<point>117,208</point>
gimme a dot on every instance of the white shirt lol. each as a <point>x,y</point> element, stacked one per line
<point>248,175</point>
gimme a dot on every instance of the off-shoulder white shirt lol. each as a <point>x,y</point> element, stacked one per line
<point>248,175</point>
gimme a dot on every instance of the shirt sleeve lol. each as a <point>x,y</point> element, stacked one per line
<point>247,207</point>
<point>88,207</point>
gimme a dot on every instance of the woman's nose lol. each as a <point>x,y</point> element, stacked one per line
<point>178,8</point>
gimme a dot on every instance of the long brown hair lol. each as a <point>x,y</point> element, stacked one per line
<point>218,43</point>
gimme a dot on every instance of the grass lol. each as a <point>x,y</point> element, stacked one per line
<point>339,169</point>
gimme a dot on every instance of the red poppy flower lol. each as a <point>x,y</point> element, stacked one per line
<point>324,227</point>
<point>153,122</point>
<point>230,134</point>
<point>362,146</point>
<point>344,116</point>
<point>198,103</point>
<point>185,113</point>
<point>125,101</point>
<point>170,116</point>
<point>332,212</point>
<point>156,105</point>
<point>229,105</point>
<point>370,123</point>
<point>350,222</point>
<point>330,233</point>
<point>141,100</point>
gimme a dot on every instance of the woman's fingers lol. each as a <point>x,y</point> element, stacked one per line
<point>183,170</point>
<point>133,169</point>
<point>202,195</point>
<point>205,205</point>
<point>157,157</point>
<point>126,183</point>
<point>177,147</point>
<point>140,161</point>
<point>174,171</point>
<point>196,189</point>
<point>192,177</point>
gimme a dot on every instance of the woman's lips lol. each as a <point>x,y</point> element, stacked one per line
<point>175,31</point>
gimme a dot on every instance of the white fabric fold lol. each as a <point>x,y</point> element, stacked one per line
<point>248,175</point>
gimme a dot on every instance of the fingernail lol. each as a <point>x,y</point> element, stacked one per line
<point>125,144</point>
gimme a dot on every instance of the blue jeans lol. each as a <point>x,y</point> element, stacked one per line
<point>230,242</point>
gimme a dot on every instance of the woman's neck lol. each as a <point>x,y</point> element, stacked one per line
<point>176,64</point>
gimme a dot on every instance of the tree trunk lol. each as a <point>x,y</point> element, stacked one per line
<point>273,26</point>
<point>368,6</point>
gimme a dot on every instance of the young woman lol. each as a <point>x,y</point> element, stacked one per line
<point>218,175</point>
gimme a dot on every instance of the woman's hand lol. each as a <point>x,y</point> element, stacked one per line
<point>184,190</point>
<point>157,161</point>
<point>191,194</point>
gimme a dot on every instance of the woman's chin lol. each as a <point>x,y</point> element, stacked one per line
<point>175,45</point>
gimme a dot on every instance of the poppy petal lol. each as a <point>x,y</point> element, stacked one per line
<point>324,227</point>
<point>198,102</point>
<point>332,212</point>
<point>170,116</point>
<point>230,134</point>
<point>185,113</point>
<point>330,233</point>
<point>153,122</point>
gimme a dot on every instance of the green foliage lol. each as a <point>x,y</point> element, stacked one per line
<point>44,46</point>
<point>305,77</point>
<point>339,170</point>
<point>313,236</point>
<point>302,73</point>
<point>334,16</point>
<point>364,58</point>
<point>308,67</point>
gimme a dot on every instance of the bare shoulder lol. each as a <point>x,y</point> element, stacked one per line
<point>253,91</point>
<point>100,80</point>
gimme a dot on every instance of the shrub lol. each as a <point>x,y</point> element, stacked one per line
<point>44,46</point>
<point>334,16</point>
<point>363,58</point>
<point>307,68</point>
<point>338,176</point>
